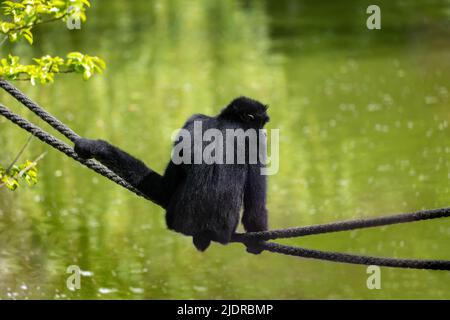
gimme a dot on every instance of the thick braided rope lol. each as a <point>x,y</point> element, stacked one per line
<point>38,110</point>
<point>343,225</point>
<point>356,259</point>
<point>66,149</point>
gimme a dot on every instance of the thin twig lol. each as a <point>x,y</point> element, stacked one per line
<point>20,153</point>
<point>28,79</point>
<point>30,166</point>
<point>3,40</point>
<point>38,23</point>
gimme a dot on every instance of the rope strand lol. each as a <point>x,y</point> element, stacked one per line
<point>356,259</point>
<point>38,110</point>
<point>66,149</point>
<point>343,225</point>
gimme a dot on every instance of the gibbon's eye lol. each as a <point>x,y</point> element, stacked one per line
<point>247,117</point>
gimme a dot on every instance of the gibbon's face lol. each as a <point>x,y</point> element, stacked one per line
<point>247,111</point>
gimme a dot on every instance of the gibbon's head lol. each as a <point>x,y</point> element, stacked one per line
<point>247,111</point>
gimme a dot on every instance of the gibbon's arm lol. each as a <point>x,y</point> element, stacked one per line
<point>158,188</point>
<point>254,217</point>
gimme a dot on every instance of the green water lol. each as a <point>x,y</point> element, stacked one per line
<point>364,131</point>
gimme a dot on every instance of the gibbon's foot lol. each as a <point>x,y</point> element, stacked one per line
<point>254,247</point>
<point>201,243</point>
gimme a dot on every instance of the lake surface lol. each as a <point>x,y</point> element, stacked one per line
<point>364,131</point>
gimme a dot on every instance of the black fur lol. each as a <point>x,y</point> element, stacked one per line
<point>201,200</point>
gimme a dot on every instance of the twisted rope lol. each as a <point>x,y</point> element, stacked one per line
<point>239,237</point>
<point>39,111</point>
<point>357,259</point>
<point>66,149</point>
<point>343,225</point>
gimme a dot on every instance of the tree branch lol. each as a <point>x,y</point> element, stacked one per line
<point>33,164</point>
<point>38,23</point>
<point>24,170</point>
<point>28,79</point>
<point>19,153</point>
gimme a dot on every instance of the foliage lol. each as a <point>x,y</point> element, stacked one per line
<point>26,14</point>
<point>45,68</point>
<point>23,16</point>
<point>26,171</point>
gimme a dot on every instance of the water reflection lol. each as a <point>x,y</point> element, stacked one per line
<point>363,121</point>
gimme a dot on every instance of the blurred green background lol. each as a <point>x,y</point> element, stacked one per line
<point>364,131</point>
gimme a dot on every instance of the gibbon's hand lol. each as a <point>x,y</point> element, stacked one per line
<point>84,148</point>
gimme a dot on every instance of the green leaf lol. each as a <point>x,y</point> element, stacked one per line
<point>24,16</point>
<point>28,35</point>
